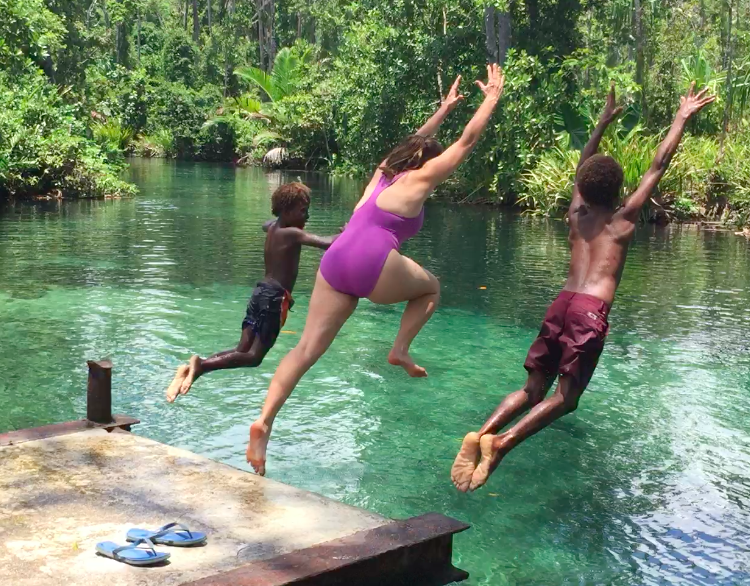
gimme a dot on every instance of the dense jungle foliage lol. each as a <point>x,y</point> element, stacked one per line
<point>333,84</point>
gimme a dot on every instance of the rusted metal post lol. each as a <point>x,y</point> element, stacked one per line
<point>99,392</point>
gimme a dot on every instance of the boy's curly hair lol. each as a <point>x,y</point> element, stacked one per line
<point>289,195</point>
<point>600,181</point>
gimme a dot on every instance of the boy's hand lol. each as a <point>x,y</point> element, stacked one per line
<point>495,82</point>
<point>611,111</point>
<point>694,103</point>
<point>453,98</point>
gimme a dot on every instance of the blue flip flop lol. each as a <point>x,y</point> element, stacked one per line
<point>132,554</point>
<point>171,534</point>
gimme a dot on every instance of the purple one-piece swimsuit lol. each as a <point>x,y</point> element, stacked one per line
<point>353,263</point>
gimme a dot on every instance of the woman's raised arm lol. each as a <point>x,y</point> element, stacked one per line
<point>437,170</point>
<point>429,128</point>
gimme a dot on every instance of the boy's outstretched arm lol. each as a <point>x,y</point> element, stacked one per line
<point>308,239</point>
<point>609,114</point>
<point>689,106</point>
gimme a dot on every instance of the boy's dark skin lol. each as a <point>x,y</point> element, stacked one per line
<point>599,239</point>
<point>284,241</point>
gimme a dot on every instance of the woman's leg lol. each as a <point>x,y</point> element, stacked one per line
<point>404,280</point>
<point>328,311</point>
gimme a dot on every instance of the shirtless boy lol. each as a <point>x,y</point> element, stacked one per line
<point>575,326</point>
<point>272,297</point>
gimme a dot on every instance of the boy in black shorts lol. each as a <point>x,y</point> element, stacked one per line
<point>272,297</point>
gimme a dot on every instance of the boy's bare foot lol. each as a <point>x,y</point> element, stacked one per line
<point>466,462</point>
<point>174,387</point>
<point>256,449</point>
<point>492,452</point>
<point>403,360</point>
<point>193,373</point>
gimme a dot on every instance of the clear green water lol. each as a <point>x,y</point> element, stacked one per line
<point>647,483</point>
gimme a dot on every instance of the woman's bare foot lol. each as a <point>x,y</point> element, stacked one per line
<point>256,449</point>
<point>403,360</point>
<point>174,387</point>
<point>466,462</point>
<point>193,373</point>
<point>492,450</point>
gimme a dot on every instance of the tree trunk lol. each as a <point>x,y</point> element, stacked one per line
<point>121,44</point>
<point>729,59</point>
<point>138,37</point>
<point>196,23</point>
<point>490,34</point>
<point>105,14</point>
<point>271,46</point>
<point>640,58</point>
<point>261,35</point>
<point>208,5</point>
<point>503,35</point>
<point>497,34</point>
<point>185,14</point>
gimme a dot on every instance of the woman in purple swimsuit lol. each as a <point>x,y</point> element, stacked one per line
<point>365,262</point>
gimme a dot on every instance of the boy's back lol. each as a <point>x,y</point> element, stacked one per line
<point>600,232</point>
<point>281,254</point>
<point>599,242</point>
<point>284,240</point>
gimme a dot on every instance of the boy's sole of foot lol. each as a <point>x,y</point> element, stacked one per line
<point>488,462</point>
<point>466,462</point>
<point>193,373</point>
<point>174,387</point>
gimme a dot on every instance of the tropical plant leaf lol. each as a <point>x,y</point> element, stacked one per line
<point>286,73</point>
<point>261,79</point>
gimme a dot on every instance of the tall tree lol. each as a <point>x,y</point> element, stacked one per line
<point>640,56</point>
<point>196,23</point>
<point>497,32</point>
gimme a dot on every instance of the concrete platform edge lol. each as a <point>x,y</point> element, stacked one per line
<point>412,552</point>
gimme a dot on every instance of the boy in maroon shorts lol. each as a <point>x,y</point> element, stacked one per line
<point>575,326</point>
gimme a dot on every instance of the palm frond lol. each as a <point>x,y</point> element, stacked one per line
<point>261,79</point>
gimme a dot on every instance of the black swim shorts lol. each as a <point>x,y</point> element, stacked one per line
<point>267,311</point>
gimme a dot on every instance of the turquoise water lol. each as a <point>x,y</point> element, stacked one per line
<point>647,483</point>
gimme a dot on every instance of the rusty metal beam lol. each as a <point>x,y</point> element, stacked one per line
<point>414,552</point>
<point>26,435</point>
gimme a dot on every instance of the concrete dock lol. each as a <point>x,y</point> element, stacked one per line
<point>66,487</point>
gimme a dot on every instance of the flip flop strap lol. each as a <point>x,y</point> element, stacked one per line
<point>168,529</point>
<point>134,545</point>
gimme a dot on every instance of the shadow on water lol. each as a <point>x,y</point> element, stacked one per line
<point>647,483</point>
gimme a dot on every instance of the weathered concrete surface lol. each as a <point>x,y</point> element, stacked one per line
<point>60,496</point>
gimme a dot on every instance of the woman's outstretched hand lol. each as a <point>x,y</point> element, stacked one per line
<point>453,98</point>
<point>495,82</point>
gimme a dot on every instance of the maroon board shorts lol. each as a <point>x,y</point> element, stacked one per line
<point>571,338</point>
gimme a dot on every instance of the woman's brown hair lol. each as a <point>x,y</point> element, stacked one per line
<point>413,152</point>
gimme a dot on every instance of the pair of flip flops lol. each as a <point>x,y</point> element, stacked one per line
<point>136,554</point>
